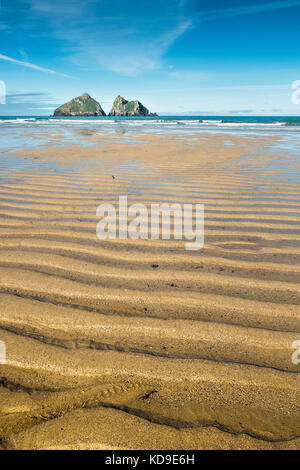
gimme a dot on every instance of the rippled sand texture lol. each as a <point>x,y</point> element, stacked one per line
<point>141,344</point>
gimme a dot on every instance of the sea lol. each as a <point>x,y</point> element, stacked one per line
<point>170,123</point>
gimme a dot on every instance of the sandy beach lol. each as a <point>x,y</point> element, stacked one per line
<point>140,344</point>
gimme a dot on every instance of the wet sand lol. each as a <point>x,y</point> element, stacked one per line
<point>126,344</point>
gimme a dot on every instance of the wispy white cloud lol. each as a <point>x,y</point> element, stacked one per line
<point>246,10</point>
<point>59,7</point>
<point>128,39</point>
<point>49,108</point>
<point>146,55</point>
<point>167,39</point>
<point>31,66</point>
<point>31,97</point>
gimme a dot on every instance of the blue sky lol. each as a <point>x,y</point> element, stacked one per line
<point>176,56</point>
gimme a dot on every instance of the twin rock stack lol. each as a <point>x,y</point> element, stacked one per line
<point>85,105</point>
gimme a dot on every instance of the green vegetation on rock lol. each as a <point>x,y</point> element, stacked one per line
<point>83,105</point>
<point>122,107</point>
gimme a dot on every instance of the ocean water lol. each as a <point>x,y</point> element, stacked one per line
<point>178,124</point>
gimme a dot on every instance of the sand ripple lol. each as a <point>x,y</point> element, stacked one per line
<point>192,350</point>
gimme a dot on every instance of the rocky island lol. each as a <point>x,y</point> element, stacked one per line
<point>83,105</point>
<point>122,107</point>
